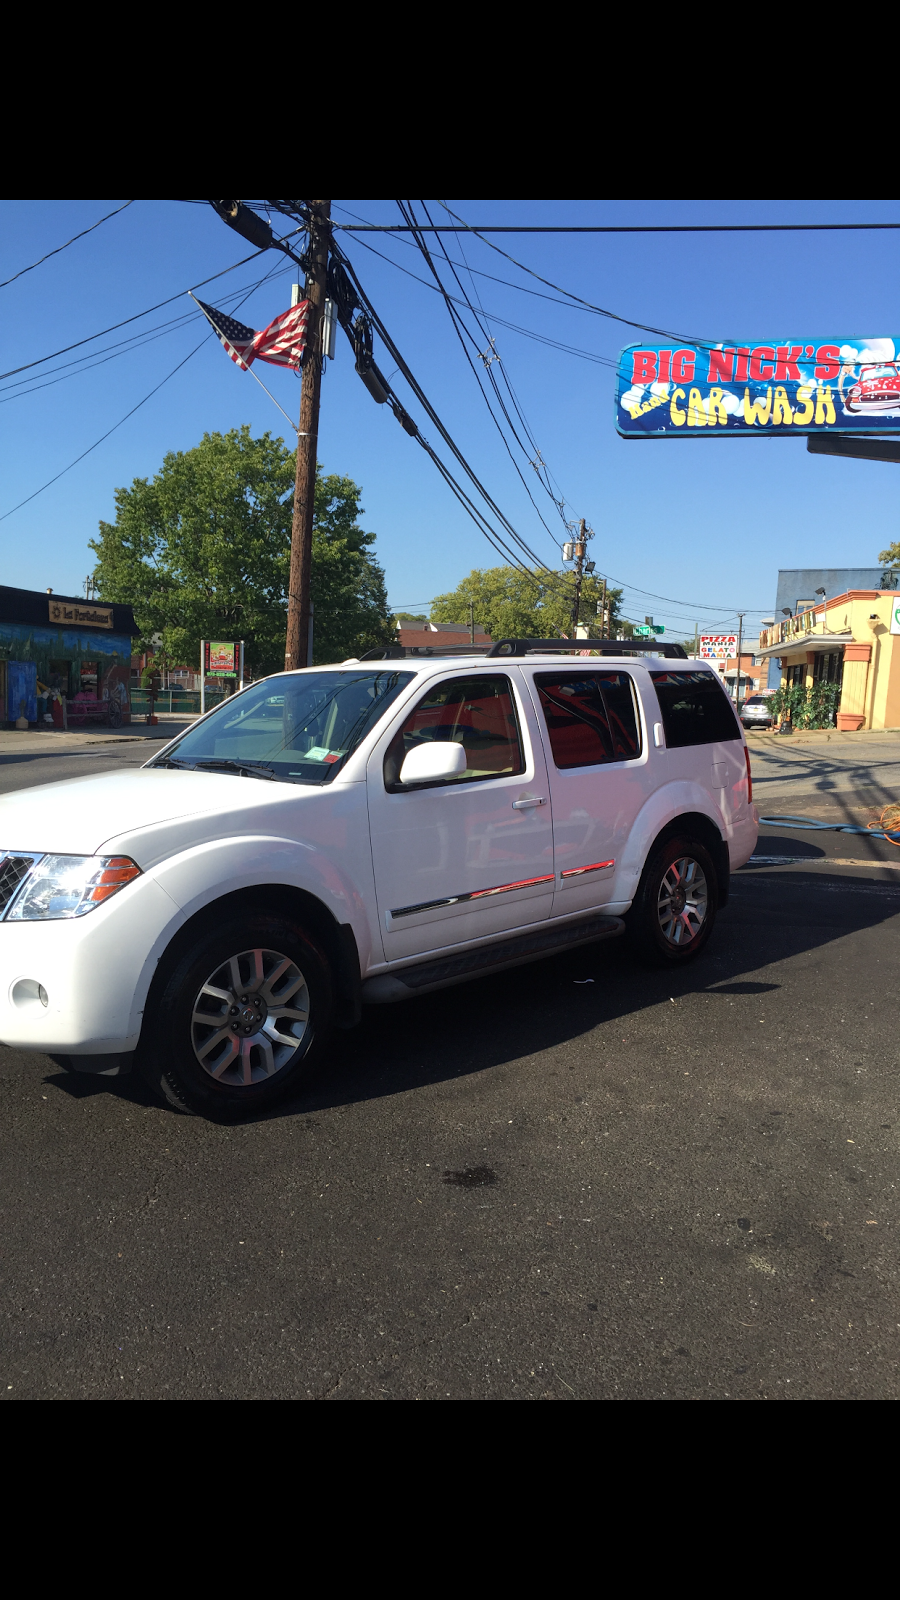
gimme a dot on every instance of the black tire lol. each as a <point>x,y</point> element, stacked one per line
<point>174,1029</point>
<point>659,932</point>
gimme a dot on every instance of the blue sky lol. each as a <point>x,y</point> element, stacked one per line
<point>704,523</point>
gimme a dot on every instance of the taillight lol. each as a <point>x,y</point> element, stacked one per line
<point>749,775</point>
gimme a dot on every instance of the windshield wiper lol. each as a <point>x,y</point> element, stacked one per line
<point>247,769</point>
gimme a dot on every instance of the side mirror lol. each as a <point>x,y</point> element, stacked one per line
<point>429,763</point>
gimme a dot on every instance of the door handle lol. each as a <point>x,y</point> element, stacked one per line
<point>523,805</point>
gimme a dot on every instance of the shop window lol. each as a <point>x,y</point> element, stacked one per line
<point>829,667</point>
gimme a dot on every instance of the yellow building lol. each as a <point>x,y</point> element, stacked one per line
<point>853,640</point>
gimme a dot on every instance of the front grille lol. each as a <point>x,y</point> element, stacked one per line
<point>13,871</point>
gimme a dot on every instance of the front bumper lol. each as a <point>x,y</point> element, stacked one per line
<point>94,970</point>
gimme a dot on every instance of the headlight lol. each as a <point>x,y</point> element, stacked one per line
<point>70,886</point>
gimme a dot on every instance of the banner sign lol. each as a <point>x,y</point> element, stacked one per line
<point>718,646</point>
<point>839,386</point>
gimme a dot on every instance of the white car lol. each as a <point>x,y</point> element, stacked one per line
<point>363,833</point>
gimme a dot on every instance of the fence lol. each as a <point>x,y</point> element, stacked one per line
<point>173,700</point>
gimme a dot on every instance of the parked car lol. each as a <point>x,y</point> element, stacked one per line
<point>755,712</point>
<point>404,823</point>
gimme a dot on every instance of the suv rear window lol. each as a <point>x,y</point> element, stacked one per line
<point>695,709</point>
<point>590,717</point>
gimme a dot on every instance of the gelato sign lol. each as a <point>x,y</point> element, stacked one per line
<point>846,386</point>
<point>718,646</point>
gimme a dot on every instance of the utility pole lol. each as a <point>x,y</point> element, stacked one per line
<point>603,612</point>
<point>579,549</point>
<point>472,620</point>
<point>737,693</point>
<point>297,642</point>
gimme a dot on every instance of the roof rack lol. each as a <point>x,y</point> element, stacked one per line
<point>524,647</point>
<point>602,647</point>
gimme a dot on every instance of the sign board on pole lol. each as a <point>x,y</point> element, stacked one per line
<point>718,646</point>
<point>702,391</point>
<point>221,660</point>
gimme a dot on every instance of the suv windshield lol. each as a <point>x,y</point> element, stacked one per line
<point>299,728</point>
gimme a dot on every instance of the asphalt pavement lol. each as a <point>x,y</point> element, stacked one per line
<point>577,1180</point>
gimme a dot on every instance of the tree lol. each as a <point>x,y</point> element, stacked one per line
<point>891,556</point>
<point>510,603</point>
<point>202,551</point>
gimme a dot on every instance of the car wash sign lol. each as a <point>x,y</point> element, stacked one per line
<point>701,391</point>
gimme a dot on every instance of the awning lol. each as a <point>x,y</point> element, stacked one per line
<point>808,641</point>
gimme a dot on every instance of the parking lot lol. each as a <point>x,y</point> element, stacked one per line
<point>576,1180</point>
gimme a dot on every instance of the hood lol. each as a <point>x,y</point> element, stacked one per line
<point>78,815</point>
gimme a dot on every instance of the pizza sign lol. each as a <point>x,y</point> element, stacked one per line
<point>718,646</point>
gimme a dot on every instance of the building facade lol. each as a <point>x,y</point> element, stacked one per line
<point>64,643</point>
<point>801,588</point>
<point>852,640</point>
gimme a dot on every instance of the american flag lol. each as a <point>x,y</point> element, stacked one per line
<point>281,342</point>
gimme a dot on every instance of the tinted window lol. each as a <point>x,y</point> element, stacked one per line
<point>591,716</point>
<point>300,727</point>
<point>477,713</point>
<point>695,709</point>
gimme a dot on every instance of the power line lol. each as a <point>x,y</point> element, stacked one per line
<point>99,358</point>
<point>65,246</point>
<point>528,333</point>
<point>711,227</point>
<point>118,424</point>
<point>104,435</point>
<point>138,314</point>
<point>459,328</point>
<point>430,411</point>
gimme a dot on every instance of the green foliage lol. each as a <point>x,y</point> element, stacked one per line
<point>510,603</point>
<point>814,707</point>
<point>202,551</point>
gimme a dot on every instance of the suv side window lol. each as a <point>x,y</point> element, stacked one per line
<point>479,713</point>
<point>591,717</point>
<point>695,709</point>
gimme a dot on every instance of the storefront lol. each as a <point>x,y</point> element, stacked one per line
<point>75,648</point>
<point>852,641</point>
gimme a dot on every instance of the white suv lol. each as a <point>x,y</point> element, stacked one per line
<point>408,823</point>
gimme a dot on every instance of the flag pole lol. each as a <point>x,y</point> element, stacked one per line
<point>249,369</point>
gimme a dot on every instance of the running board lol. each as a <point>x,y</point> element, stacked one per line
<point>389,987</point>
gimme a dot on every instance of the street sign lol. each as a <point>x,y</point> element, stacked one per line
<point>641,631</point>
<point>657,627</point>
<point>704,391</point>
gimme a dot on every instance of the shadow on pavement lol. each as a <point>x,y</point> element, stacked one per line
<point>492,1021</point>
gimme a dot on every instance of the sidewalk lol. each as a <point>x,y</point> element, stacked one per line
<point>46,739</point>
<point>758,736</point>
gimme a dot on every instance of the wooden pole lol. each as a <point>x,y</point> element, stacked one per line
<point>297,641</point>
